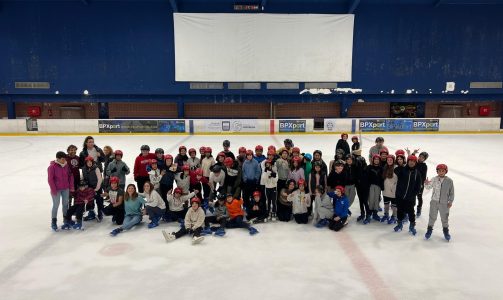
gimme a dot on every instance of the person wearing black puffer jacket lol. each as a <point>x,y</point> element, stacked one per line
<point>423,170</point>
<point>92,175</point>
<point>90,149</point>
<point>408,186</point>
<point>350,172</point>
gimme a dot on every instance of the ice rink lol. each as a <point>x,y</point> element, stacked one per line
<point>284,261</point>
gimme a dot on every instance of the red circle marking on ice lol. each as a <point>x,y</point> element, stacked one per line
<point>115,249</point>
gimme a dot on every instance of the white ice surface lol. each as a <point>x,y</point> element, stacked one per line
<point>283,261</point>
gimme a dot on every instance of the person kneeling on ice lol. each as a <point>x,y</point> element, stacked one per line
<point>236,214</point>
<point>257,213</point>
<point>442,197</point>
<point>154,205</point>
<point>301,200</point>
<point>132,205</point>
<point>84,198</point>
<point>194,220</point>
<point>178,204</point>
<point>341,207</point>
<point>221,217</point>
<point>115,195</point>
<point>323,208</point>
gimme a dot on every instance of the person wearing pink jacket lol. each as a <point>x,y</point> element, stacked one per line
<point>60,179</point>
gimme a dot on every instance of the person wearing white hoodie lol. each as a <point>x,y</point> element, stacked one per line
<point>269,179</point>
<point>154,205</point>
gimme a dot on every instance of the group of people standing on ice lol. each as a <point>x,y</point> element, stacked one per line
<point>208,194</point>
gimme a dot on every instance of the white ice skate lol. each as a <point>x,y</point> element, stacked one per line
<point>168,236</point>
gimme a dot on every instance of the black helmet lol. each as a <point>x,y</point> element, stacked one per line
<point>145,147</point>
<point>226,143</point>
<point>321,189</point>
<point>83,183</point>
<point>221,196</point>
<point>288,142</point>
<point>159,150</point>
<point>379,139</point>
<point>216,169</point>
<point>339,162</point>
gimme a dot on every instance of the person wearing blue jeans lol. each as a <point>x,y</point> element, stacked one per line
<point>60,179</point>
<point>133,204</point>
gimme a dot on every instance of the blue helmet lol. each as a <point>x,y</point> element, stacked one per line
<point>308,156</point>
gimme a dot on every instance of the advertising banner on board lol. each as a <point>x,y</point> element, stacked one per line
<point>141,126</point>
<point>292,125</point>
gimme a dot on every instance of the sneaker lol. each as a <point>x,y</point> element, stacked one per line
<point>116,231</point>
<point>197,239</point>
<point>168,236</point>
<point>366,221</point>
<point>274,218</point>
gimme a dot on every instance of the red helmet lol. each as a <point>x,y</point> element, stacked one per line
<point>192,150</point>
<point>178,191</point>
<point>354,137</point>
<point>442,167</point>
<point>343,134</point>
<point>259,147</point>
<point>208,150</point>
<point>256,194</point>
<point>271,147</point>
<point>390,156</point>
<point>301,182</point>
<point>118,152</point>
<point>202,149</point>
<point>221,154</point>
<point>268,161</point>
<point>182,147</point>
<point>228,161</point>
<point>114,179</point>
<point>296,159</point>
<point>242,150</point>
<point>195,200</point>
<point>198,172</point>
<point>168,156</point>
<point>153,161</point>
<point>400,152</point>
<point>185,168</point>
<point>384,150</point>
<point>374,157</point>
<point>249,152</point>
<point>295,149</point>
<point>271,152</point>
<point>89,158</point>
<point>340,188</point>
<point>412,157</point>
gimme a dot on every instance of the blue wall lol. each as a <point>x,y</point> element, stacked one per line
<point>125,50</point>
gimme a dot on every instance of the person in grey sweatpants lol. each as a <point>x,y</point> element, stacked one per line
<point>442,197</point>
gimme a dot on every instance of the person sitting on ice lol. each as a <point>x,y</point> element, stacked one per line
<point>323,208</point>
<point>236,215</point>
<point>301,200</point>
<point>341,207</point>
<point>257,212</point>
<point>84,197</point>
<point>194,221</point>
<point>133,204</point>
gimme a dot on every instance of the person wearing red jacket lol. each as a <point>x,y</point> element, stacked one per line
<point>141,163</point>
<point>198,183</point>
<point>84,199</point>
<point>60,179</point>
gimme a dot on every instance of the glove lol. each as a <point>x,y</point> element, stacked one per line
<point>124,169</point>
<point>114,170</point>
<point>273,174</point>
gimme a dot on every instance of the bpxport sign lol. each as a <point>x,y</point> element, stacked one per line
<point>373,125</point>
<point>292,125</point>
<point>426,125</point>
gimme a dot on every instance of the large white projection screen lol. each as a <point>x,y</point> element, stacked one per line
<point>263,47</point>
